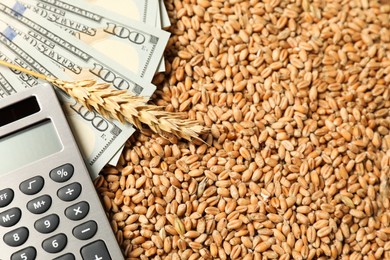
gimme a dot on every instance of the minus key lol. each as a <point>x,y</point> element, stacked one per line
<point>85,231</point>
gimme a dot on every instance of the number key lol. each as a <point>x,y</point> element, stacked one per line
<point>28,253</point>
<point>55,243</point>
<point>47,224</point>
<point>16,237</point>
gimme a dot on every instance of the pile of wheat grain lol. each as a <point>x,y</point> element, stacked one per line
<point>297,162</point>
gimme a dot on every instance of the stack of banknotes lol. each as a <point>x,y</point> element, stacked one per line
<point>120,42</point>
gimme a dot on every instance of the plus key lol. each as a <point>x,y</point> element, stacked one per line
<point>95,251</point>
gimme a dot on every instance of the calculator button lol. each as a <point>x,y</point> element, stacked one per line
<point>85,231</point>
<point>55,243</point>
<point>62,173</point>
<point>47,224</point>
<point>39,205</point>
<point>6,196</point>
<point>16,237</point>
<point>10,217</point>
<point>32,186</point>
<point>65,257</point>
<point>28,253</point>
<point>95,251</point>
<point>69,192</point>
<point>77,211</point>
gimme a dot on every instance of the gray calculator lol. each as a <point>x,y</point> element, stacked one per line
<point>49,208</point>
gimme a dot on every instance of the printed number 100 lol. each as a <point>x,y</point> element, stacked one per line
<point>123,32</point>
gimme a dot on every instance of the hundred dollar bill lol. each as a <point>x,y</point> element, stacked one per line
<point>139,10</point>
<point>133,44</point>
<point>158,23</point>
<point>73,56</point>
<point>146,11</point>
<point>98,138</point>
<point>164,15</point>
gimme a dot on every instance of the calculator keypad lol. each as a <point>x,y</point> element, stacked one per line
<point>55,243</point>
<point>32,186</point>
<point>10,217</point>
<point>39,205</point>
<point>16,237</point>
<point>28,253</point>
<point>6,197</point>
<point>47,224</point>
<point>69,192</point>
<point>50,222</point>
<point>77,211</point>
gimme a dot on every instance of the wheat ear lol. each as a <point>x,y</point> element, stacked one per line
<point>120,105</point>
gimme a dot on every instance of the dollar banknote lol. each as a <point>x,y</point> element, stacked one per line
<point>146,11</point>
<point>133,44</point>
<point>98,138</point>
<point>165,22</point>
<point>139,10</point>
<point>73,56</point>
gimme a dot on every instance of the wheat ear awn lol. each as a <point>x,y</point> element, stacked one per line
<point>119,105</point>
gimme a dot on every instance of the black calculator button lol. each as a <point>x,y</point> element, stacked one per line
<point>47,224</point>
<point>65,257</point>
<point>28,253</point>
<point>10,217</point>
<point>77,211</point>
<point>55,243</point>
<point>69,192</point>
<point>39,205</point>
<point>6,196</point>
<point>62,173</point>
<point>85,231</point>
<point>95,251</point>
<point>32,186</point>
<point>16,237</point>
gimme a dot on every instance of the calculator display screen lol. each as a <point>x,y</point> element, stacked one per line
<point>28,145</point>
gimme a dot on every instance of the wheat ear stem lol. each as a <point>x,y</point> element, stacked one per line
<point>16,67</point>
<point>119,105</point>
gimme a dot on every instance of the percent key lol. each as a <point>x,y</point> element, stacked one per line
<point>62,173</point>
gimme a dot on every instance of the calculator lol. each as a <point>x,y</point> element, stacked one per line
<point>49,208</point>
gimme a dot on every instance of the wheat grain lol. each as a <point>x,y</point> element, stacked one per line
<point>296,162</point>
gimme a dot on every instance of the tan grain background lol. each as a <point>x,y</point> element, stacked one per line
<point>296,95</point>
